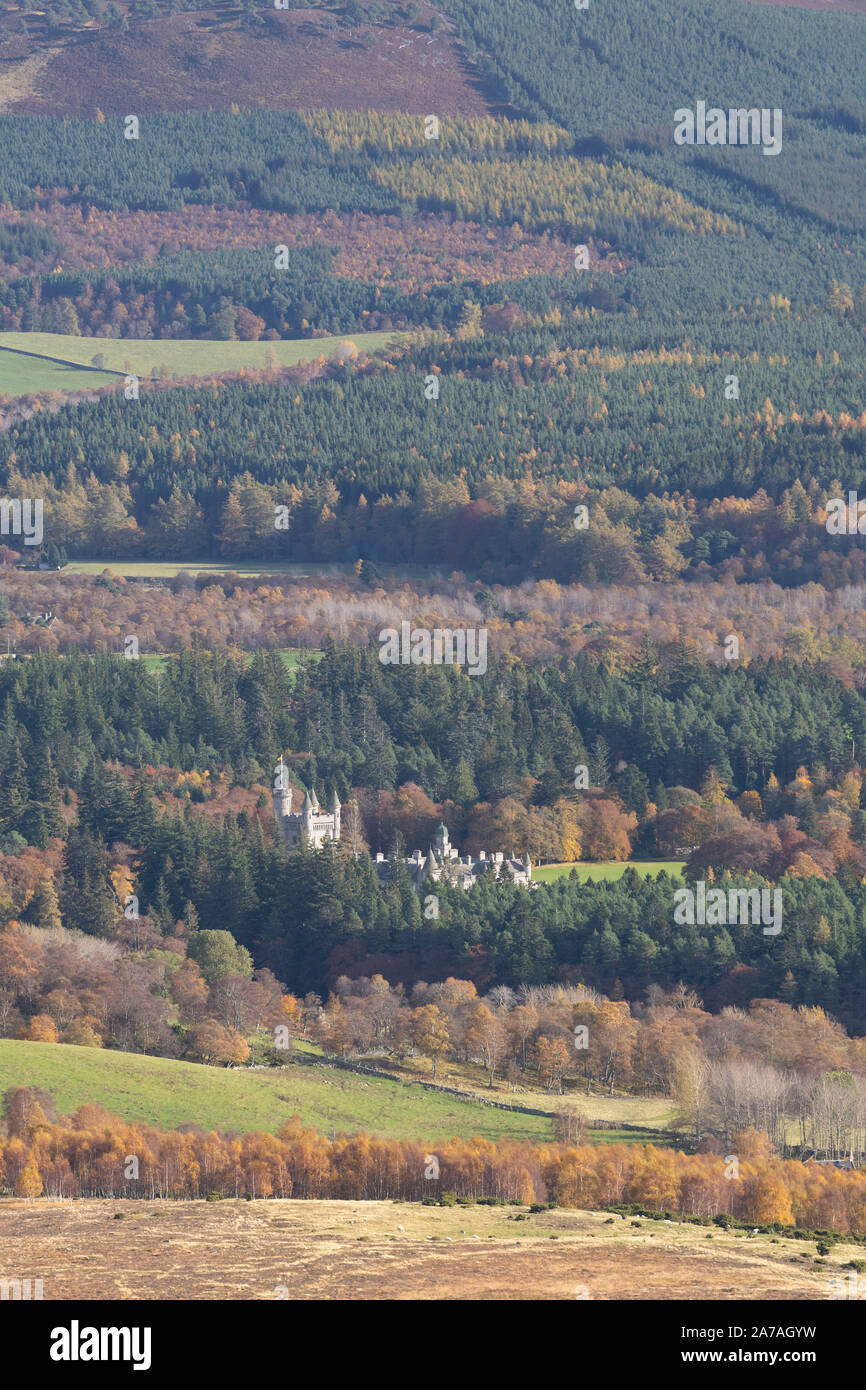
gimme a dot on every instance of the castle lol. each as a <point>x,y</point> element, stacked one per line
<point>441,863</point>
<point>319,826</point>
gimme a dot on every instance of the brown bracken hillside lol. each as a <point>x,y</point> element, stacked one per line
<point>208,60</point>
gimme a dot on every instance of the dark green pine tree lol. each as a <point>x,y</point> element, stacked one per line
<point>645,665</point>
<point>682,666</point>
<point>461,787</point>
<point>160,909</point>
<point>45,794</point>
<point>90,798</point>
<point>88,902</point>
<point>633,787</point>
<point>14,791</point>
<point>142,811</point>
<point>523,953</point>
<point>380,766</point>
<point>33,827</point>
<point>599,762</point>
<point>232,888</point>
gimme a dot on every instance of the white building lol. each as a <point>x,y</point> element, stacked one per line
<point>443,864</point>
<point>319,826</point>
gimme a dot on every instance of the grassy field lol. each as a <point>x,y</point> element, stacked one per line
<point>647,868</point>
<point>651,1112</point>
<point>23,376</point>
<point>169,569</point>
<point>654,1114</point>
<point>162,1092</point>
<point>156,661</point>
<point>342,1250</point>
<point>182,356</point>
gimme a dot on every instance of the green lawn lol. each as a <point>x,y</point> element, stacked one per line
<point>167,1093</point>
<point>647,868</point>
<point>653,1115</point>
<point>184,356</point>
<point>22,376</point>
<point>169,569</point>
<point>155,661</point>
<point>629,1136</point>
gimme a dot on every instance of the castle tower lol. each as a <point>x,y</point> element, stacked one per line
<point>310,820</point>
<point>442,843</point>
<point>282,793</point>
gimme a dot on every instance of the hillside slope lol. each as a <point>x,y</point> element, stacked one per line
<point>211,58</point>
<point>159,1091</point>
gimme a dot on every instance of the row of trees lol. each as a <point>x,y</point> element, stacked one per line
<point>221,294</point>
<point>487,476</point>
<point>760,1067</point>
<point>692,748</point>
<point>810,1113</point>
<point>196,994</point>
<point>213,157</point>
<point>537,622</point>
<point>90,1155</point>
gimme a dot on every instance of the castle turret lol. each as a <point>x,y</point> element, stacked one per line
<point>282,794</point>
<point>309,820</point>
<point>282,800</point>
<point>442,843</point>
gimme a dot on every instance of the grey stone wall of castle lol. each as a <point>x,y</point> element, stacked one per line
<point>319,826</point>
<point>443,864</point>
